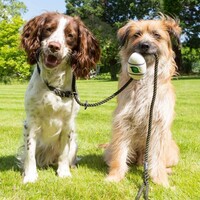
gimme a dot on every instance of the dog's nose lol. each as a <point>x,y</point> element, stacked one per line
<point>54,46</point>
<point>145,46</point>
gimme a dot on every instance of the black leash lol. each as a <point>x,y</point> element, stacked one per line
<point>86,104</point>
<point>145,186</point>
<point>74,93</point>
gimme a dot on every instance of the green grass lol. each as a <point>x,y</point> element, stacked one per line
<point>94,127</point>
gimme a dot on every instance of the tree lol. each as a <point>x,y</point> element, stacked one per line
<point>188,12</point>
<point>104,17</point>
<point>11,8</point>
<point>91,12</point>
<point>12,57</point>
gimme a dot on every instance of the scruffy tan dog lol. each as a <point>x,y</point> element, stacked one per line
<point>130,124</point>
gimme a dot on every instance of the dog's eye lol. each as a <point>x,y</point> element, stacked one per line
<point>70,35</point>
<point>156,35</point>
<point>137,34</point>
<point>48,29</point>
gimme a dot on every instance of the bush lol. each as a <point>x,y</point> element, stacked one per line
<point>12,58</point>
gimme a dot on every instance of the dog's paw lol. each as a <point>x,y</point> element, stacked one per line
<point>30,178</point>
<point>164,183</point>
<point>162,179</point>
<point>112,178</point>
<point>62,173</point>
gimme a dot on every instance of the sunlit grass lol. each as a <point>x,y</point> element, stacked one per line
<point>93,128</point>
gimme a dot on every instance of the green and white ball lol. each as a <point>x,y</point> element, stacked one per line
<point>136,66</point>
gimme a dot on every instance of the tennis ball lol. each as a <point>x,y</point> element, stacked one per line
<point>136,66</point>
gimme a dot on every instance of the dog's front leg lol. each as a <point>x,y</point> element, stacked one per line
<point>73,147</point>
<point>116,155</point>
<point>30,171</point>
<point>63,160</point>
<point>159,145</point>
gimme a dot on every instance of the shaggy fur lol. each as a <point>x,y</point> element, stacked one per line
<point>131,116</point>
<point>63,46</point>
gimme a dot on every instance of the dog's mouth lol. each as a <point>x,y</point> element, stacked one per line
<point>51,61</point>
<point>148,53</point>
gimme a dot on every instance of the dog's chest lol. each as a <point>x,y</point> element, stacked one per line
<point>141,99</point>
<point>56,116</point>
<point>134,105</point>
<point>51,113</point>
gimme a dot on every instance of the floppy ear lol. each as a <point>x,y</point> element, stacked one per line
<point>30,38</point>
<point>88,51</point>
<point>173,29</point>
<point>123,34</point>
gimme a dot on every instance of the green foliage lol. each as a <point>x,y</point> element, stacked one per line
<point>105,34</point>
<point>93,14</point>
<point>102,76</point>
<point>191,59</point>
<point>12,57</point>
<point>84,8</point>
<point>11,8</point>
<point>105,17</point>
<point>188,12</point>
<point>116,11</point>
<point>93,128</point>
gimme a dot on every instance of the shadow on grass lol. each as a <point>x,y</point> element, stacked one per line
<point>96,162</point>
<point>93,161</point>
<point>8,163</point>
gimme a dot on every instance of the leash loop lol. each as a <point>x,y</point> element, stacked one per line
<point>86,104</point>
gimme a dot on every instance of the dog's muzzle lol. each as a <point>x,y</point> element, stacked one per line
<point>146,48</point>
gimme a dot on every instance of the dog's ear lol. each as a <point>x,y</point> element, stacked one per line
<point>123,34</point>
<point>30,37</point>
<point>173,29</point>
<point>88,51</point>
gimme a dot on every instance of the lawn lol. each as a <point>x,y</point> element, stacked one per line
<point>94,127</point>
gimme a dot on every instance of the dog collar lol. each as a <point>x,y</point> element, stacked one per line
<point>56,91</point>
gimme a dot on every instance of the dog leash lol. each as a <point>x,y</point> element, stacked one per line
<point>86,104</point>
<point>74,93</point>
<point>145,186</point>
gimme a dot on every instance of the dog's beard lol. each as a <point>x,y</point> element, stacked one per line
<point>149,58</point>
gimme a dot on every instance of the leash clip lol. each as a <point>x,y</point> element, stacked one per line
<point>86,105</point>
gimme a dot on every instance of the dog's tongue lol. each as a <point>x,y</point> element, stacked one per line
<point>51,61</point>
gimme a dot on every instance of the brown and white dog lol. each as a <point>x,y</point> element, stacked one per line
<point>61,45</point>
<point>130,124</point>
